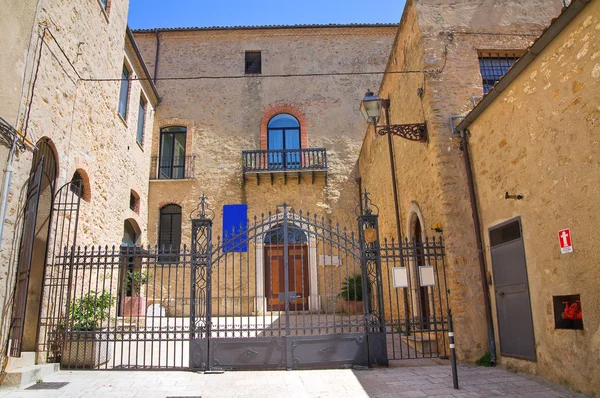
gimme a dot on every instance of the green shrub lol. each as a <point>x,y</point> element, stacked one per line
<point>352,289</point>
<point>134,281</point>
<point>88,312</point>
<point>485,360</point>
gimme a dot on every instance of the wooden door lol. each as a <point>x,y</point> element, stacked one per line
<point>298,282</point>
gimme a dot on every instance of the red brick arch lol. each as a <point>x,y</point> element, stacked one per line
<point>276,110</point>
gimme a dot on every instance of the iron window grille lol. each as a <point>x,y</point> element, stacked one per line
<point>253,62</point>
<point>493,68</point>
<point>124,93</point>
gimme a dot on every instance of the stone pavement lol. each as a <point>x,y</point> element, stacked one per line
<point>405,379</point>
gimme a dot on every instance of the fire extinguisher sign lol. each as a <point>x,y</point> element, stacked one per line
<point>564,238</point>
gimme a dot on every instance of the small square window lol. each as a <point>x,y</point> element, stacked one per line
<point>253,62</point>
<point>134,201</point>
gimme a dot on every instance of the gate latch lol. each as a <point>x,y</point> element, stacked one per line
<point>291,296</point>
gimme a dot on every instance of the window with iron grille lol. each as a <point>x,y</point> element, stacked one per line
<point>169,234</point>
<point>104,3</point>
<point>124,93</point>
<point>77,185</point>
<point>253,62</point>
<point>494,67</point>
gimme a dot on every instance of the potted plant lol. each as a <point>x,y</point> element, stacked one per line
<point>352,294</point>
<point>84,347</point>
<point>133,304</point>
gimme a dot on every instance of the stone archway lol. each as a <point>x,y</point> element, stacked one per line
<point>45,155</point>
<point>421,295</point>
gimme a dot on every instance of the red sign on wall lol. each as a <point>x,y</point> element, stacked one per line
<point>564,238</point>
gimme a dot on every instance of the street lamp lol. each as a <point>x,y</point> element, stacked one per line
<point>371,106</point>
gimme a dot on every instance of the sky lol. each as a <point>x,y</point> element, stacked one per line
<point>146,14</point>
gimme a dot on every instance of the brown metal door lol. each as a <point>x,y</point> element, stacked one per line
<point>20,297</point>
<point>297,276</point>
<point>513,305</point>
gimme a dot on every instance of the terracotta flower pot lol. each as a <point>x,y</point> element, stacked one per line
<point>134,306</point>
<point>352,307</point>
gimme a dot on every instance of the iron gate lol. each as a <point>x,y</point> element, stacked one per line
<point>289,290</point>
<point>280,294</point>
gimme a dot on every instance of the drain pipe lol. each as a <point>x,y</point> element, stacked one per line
<point>477,230</point>
<point>8,172</point>
<point>156,55</point>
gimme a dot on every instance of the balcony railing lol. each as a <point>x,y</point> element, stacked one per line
<point>310,159</point>
<point>172,168</point>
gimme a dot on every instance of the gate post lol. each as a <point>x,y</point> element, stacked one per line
<point>201,286</point>
<point>368,232</point>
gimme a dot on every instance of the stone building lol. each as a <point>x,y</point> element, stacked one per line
<point>438,57</point>
<point>261,91</point>
<point>533,144</point>
<point>67,113</point>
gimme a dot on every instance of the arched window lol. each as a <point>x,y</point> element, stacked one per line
<point>172,153</point>
<point>283,133</point>
<point>129,234</point>
<point>169,234</point>
<point>275,236</point>
<point>77,185</point>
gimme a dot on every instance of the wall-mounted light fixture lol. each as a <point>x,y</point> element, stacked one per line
<point>371,106</point>
<point>437,228</point>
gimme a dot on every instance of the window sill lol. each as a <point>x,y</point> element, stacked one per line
<point>123,120</point>
<point>173,180</point>
<point>103,10</point>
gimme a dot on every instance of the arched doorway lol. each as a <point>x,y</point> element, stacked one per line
<point>422,291</point>
<point>131,235</point>
<point>33,250</point>
<point>274,264</point>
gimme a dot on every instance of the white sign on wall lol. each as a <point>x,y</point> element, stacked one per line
<point>426,277</point>
<point>400,277</point>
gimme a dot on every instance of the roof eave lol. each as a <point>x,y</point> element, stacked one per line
<point>564,19</point>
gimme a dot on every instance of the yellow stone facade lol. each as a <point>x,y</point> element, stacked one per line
<point>539,138</point>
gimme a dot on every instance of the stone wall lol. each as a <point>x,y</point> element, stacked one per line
<point>539,139</point>
<point>225,116</point>
<point>443,38</point>
<point>80,118</point>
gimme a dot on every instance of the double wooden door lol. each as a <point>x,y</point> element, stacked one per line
<point>298,280</point>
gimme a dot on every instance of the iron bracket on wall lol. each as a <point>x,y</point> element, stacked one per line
<point>412,132</point>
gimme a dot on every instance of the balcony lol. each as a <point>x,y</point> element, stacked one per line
<point>172,168</point>
<point>309,162</point>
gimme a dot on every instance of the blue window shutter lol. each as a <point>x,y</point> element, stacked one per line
<point>235,225</point>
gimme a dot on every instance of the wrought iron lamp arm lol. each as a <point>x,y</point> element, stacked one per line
<point>412,132</point>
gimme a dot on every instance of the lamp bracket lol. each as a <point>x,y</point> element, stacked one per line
<point>411,132</point>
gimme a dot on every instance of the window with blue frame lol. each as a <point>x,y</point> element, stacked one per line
<point>493,68</point>
<point>283,139</point>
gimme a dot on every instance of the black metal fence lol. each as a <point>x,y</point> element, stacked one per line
<point>128,308</point>
<point>288,290</point>
<point>415,298</point>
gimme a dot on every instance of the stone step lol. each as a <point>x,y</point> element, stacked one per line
<point>25,360</point>
<point>29,374</point>
<point>424,344</point>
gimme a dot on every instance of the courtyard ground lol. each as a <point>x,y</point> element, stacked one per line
<point>402,379</point>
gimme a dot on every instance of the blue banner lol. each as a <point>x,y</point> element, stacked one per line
<point>235,225</point>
